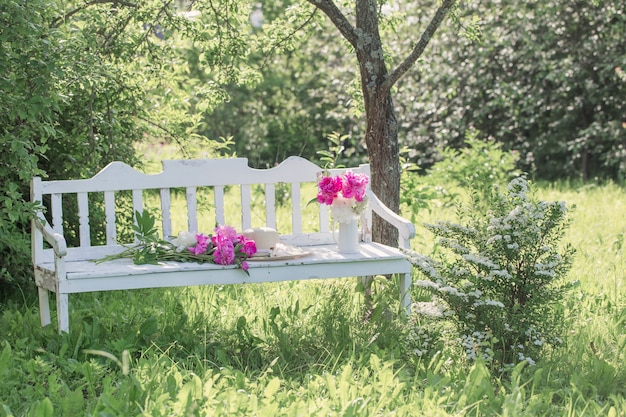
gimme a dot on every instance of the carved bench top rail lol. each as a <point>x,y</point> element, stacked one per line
<point>119,176</point>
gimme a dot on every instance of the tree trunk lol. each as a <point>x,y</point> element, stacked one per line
<point>382,144</point>
<point>381,135</point>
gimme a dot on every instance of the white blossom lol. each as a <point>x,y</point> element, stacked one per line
<point>343,210</point>
<point>425,284</point>
<point>452,291</point>
<point>184,240</point>
<point>494,303</point>
<point>479,260</point>
<point>430,309</point>
<point>502,273</point>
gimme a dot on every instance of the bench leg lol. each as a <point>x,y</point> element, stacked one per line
<point>63,315</point>
<point>44,306</point>
<point>405,292</point>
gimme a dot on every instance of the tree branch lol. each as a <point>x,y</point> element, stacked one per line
<point>417,51</point>
<point>291,35</point>
<point>71,13</point>
<point>338,18</point>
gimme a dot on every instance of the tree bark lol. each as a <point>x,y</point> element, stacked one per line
<point>381,139</point>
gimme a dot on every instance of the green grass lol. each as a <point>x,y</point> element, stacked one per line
<point>304,348</point>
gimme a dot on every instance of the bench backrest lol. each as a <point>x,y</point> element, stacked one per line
<point>207,186</point>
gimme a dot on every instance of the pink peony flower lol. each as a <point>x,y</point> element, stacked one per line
<point>354,185</point>
<point>248,246</point>
<point>245,266</point>
<point>224,253</point>
<point>225,232</point>
<point>329,188</point>
<point>202,244</point>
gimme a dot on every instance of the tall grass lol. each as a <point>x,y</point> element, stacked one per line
<point>304,348</point>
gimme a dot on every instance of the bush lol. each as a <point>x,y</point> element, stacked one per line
<point>478,164</point>
<point>26,122</point>
<point>500,275</point>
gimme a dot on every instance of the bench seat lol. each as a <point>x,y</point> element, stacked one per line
<point>320,262</point>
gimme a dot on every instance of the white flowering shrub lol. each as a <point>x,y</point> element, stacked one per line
<point>501,275</point>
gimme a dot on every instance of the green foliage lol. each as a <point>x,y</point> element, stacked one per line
<point>27,115</point>
<point>540,78</point>
<point>541,81</point>
<point>479,165</point>
<point>330,158</point>
<point>416,195</point>
<point>501,274</point>
<point>150,246</point>
<point>302,95</point>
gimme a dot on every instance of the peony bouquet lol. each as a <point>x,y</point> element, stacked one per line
<point>224,247</point>
<point>345,194</point>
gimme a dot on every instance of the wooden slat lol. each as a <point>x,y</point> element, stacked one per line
<point>109,215</point>
<point>218,199</point>
<point>192,209</point>
<point>137,205</point>
<point>191,173</point>
<point>166,206</point>
<point>296,208</point>
<point>137,201</point>
<point>56,207</point>
<point>36,237</point>
<point>324,218</point>
<point>83,219</point>
<point>246,209</point>
<point>270,206</point>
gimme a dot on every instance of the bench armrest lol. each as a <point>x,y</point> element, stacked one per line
<point>406,229</point>
<point>54,239</point>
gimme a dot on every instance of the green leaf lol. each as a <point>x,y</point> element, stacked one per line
<point>272,388</point>
<point>6,411</point>
<point>43,409</point>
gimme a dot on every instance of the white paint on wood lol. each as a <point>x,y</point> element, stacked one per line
<point>218,199</point>
<point>270,206</point>
<point>296,209</point>
<point>166,206</point>
<point>56,206</point>
<point>192,208</point>
<point>246,207</point>
<point>109,210</point>
<point>83,219</point>
<point>44,306</point>
<point>137,201</point>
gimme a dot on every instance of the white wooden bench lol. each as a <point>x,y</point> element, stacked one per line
<point>66,270</point>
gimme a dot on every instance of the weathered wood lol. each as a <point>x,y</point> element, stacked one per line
<point>66,270</point>
<point>109,210</point>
